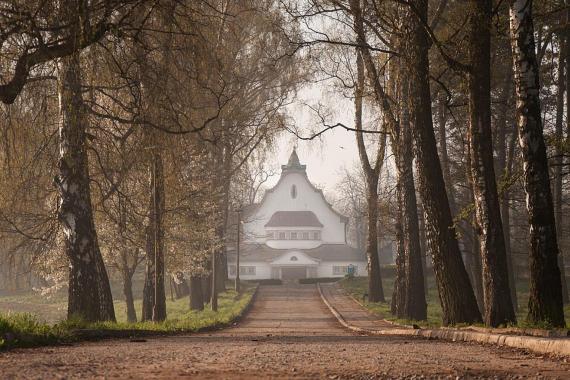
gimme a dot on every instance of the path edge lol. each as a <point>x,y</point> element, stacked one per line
<point>555,346</point>
<point>101,334</point>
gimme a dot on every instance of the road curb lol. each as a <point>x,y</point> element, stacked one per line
<point>556,346</point>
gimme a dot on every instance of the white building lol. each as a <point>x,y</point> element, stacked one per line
<point>294,233</point>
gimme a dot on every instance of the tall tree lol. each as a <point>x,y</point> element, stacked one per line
<point>559,158</point>
<point>545,301</point>
<point>372,175</point>
<point>456,294</point>
<point>89,294</point>
<point>498,303</point>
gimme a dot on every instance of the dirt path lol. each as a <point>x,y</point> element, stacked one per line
<point>288,333</point>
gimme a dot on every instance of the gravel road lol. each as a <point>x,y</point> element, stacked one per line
<point>289,333</point>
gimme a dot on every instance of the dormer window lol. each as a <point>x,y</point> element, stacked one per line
<point>293,191</point>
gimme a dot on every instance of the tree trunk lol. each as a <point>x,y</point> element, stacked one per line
<point>456,294</point>
<point>398,301</point>
<point>372,174</point>
<point>196,294</point>
<point>545,300</point>
<point>181,288</point>
<point>89,295</point>
<point>443,154</point>
<point>559,162</point>
<point>375,289</point>
<point>128,292</point>
<point>504,172</point>
<point>496,292</point>
<point>474,258</point>
<point>207,287</point>
<point>414,301</point>
<point>154,294</point>
<point>415,306</point>
<point>565,243</point>
<point>214,290</point>
<point>423,246</point>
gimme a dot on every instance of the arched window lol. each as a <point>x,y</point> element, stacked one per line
<point>293,258</point>
<point>293,191</point>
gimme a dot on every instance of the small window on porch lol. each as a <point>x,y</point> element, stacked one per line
<point>282,235</point>
<point>270,235</point>
<point>305,236</point>
<point>316,235</point>
<point>293,236</point>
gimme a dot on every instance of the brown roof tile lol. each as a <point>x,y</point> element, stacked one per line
<point>294,219</point>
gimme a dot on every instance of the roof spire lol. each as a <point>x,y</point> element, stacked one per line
<point>294,163</point>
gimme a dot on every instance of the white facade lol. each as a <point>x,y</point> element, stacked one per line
<point>308,198</point>
<point>295,233</point>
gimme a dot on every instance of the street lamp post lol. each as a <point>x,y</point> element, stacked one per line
<point>237,284</point>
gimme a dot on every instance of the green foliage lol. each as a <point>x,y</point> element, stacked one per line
<point>24,330</point>
<point>359,285</point>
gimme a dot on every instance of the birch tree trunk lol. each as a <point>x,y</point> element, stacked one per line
<point>89,295</point>
<point>545,300</point>
<point>496,292</point>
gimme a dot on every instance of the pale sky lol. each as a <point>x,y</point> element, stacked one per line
<point>328,154</point>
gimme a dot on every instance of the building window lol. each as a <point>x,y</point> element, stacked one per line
<point>232,270</point>
<point>247,271</point>
<point>282,235</point>
<point>293,191</point>
<point>270,235</point>
<point>293,258</point>
<point>316,235</point>
<point>293,236</point>
<point>340,270</point>
<point>305,236</point>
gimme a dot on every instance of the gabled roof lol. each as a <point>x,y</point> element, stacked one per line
<point>294,166</point>
<point>294,219</point>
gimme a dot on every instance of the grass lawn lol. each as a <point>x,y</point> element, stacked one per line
<point>359,285</point>
<point>26,329</point>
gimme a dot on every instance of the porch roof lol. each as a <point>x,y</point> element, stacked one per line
<point>325,252</point>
